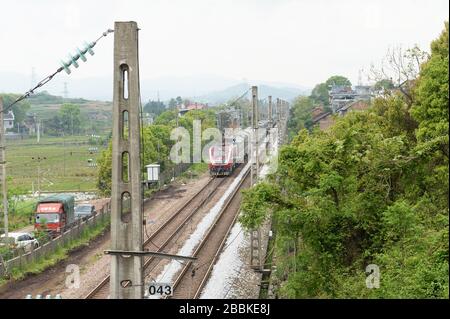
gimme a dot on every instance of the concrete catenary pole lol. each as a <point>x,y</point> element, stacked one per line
<point>270,113</point>
<point>3,169</point>
<point>127,280</point>
<point>255,125</point>
<point>278,110</point>
<point>255,235</point>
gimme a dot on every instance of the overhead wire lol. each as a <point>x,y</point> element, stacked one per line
<point>240,98</point>
<point>48,78</point>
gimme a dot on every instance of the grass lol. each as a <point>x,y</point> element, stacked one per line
<point>194,171</point>
<point>60,254</point>
<point>65,167</point>
<point>20,213</point>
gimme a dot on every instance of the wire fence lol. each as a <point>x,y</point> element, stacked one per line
<point>19,258</point>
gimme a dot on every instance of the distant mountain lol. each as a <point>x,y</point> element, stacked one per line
<point>236,91</point>
<point>207,88</point>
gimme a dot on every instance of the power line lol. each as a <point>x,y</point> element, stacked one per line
<point>240,98</point>
<point>64,66</point>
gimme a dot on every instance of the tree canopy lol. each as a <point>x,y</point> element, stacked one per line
<point>338,80</point>
<point>320,93</point>
<point>20,109</point>
<point>371,190</point>
<point>155,107</point>
<point>156,143</point>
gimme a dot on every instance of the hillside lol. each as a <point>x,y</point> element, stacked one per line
<point>217,97</point>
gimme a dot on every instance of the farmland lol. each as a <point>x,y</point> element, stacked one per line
<point>63,164</point>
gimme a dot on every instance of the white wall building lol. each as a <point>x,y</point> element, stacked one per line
<point>8,120</point>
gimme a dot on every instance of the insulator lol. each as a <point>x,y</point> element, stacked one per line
<point>66,67</point>
<point>82,55</point>
<point>88,47</point>
<point>73,61</point>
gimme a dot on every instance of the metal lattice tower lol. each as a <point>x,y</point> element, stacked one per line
<point>126,197</point>
<point>65,91</point>
<point>33,77</point>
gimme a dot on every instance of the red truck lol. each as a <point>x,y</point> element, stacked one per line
<point>55,214</point>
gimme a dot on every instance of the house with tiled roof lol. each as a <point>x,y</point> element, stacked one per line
<point>194,106</point>
<point>8,120</point>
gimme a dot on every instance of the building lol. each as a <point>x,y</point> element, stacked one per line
<point>326,120</point>
<point>317,111</point>
<point>148,119</point>
<point>31,123</point>
<point>342,97</point>
<point>194,106</point>
<point>8,121</point>
<point>360,105</point>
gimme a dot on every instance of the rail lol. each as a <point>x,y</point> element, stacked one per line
<point>218,219</point>
<point>104,283</point>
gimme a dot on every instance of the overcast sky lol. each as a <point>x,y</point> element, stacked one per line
<point>295,41</point>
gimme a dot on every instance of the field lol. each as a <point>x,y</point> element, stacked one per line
<point>96,113</point>
<point>63,164</point>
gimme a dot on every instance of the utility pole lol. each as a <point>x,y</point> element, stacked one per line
<point>66,91</point>
<point>270,123</point>
<point>283,116</point>
<point>38,124</point>
<point>255,125</point>
<point>127,280</point>
<point>3,170</point>
<point>255,234</point>
<point>283,119</point>
<point>270,111</point>
<point>64,150</point>
<point>279,120</point>
<point>39,159</point>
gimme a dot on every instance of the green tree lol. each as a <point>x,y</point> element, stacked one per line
<point>172,104</point>
<point>20,109</point>
<point>320,94</point>
<point>301,116</point>
<point>156,148</point>
<point>156,143</point>
<point>154,107</point>
<point>384,84</point>
<point>167,118</point>
<point>373,189</point>
<point>338,80</point>
<point>70,117</point>
<point>431,106</point>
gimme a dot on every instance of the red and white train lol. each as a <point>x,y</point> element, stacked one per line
<point>224,159</point>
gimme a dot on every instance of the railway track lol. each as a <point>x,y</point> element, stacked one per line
<point>163,237</point>
<point>194,275</point>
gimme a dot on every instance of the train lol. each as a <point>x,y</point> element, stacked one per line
<point>225,158</point>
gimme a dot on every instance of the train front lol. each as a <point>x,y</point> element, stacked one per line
<point>220,160</point>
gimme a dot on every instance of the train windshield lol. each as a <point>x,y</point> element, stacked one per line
<point>219,154</point>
